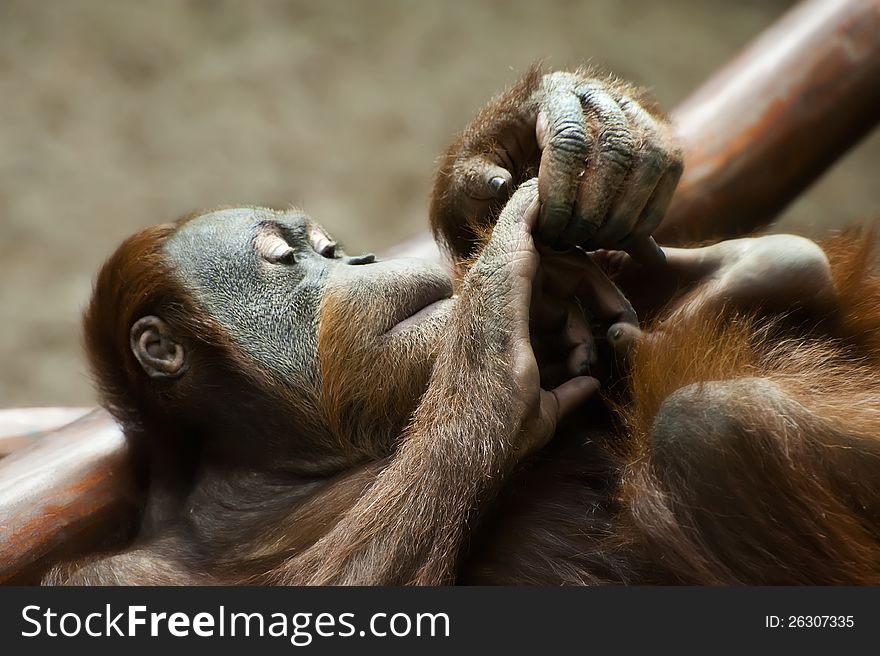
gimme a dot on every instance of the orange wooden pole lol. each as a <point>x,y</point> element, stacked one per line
<point>62,495</point>
<point>763,128</point>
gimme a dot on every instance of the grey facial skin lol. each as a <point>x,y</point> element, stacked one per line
<point>264,275</point>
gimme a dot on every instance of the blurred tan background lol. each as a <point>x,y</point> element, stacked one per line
<point>118,114</point>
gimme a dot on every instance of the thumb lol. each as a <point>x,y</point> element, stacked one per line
<point>485,180</point>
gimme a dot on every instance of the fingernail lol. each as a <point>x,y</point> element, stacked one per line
<point>369,258</point>
<point>617,333</point>
<point>496,184</point>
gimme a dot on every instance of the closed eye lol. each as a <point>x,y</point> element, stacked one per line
<point>321,242</point>
<point>273,248</point>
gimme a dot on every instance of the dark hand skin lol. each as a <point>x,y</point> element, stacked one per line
<point>607,163</point>
<point>773,274</point>
<point>610,290</point>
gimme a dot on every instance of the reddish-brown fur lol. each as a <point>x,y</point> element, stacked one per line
<point>738,449</point>
<point>788,492</point>
<point>804,508</point>
<point>646,527</point>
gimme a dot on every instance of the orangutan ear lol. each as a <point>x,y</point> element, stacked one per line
<point>156,349</point>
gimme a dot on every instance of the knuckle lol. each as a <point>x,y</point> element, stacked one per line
<point>519,201</point>
<point>511,215</point>
<point>528,188</point>
<point>616,148</point>
<point>587,227</point>
<point>627,104</point>
<point>570,137</point>
<point>652,157</point>
<point>784,254</point>
<point>559,80</point>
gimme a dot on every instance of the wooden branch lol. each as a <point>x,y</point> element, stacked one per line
<point>20,427</point>
<point>775,118</point>
<point>64,495</point>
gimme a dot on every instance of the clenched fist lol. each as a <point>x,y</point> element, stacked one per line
<point>607,163</point>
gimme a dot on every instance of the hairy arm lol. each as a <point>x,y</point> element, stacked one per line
<point>482,412</point>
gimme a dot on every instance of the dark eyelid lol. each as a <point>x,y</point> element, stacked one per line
<point>322,243</point>
<point>272,244</point>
